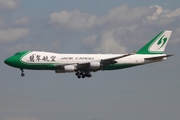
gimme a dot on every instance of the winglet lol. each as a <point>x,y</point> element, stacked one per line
<point>157,45</point>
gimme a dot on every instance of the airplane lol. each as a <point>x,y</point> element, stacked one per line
<point>84,64</point>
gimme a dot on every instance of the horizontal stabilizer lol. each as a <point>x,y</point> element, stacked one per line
<point>158,58</point>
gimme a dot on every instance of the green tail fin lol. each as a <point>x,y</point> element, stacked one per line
<point>157,45</point>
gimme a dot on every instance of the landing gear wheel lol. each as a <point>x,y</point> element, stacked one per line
<point>89,75</point>
<point>83,76</point>
<point>79,76</point>
<point>22,74</point>
<point>81,73</point>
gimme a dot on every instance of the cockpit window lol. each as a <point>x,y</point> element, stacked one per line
<point>17,53</point>
<point>21,52</point>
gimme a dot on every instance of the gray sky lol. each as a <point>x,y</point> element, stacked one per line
<point>149,92</point>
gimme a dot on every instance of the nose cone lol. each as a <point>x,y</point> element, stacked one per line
<point>9,61</point>
<point>15,60</point>
<point>12,61</point>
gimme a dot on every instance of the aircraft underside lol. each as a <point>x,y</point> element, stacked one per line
<point>81,73</point>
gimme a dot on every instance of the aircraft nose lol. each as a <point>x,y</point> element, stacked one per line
<point>8,61</point>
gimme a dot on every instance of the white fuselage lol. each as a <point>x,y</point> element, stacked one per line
<point>37,57</point>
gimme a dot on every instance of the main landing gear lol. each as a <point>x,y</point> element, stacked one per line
<point>81,74</point>
<point>22,73</point>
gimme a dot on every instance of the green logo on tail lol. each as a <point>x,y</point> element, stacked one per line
<point>162,41</point>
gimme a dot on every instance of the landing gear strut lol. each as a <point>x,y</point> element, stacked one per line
<point>82,74</point>
<point>22,73</point>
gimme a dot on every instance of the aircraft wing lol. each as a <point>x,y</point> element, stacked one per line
<point>86,65</point>
<point>111,60</point>
<point>104,62</point>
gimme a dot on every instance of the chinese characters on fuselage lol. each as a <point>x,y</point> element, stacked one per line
<point>38,58</point>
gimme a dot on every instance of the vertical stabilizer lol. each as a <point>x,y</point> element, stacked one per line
<point>157,45</point>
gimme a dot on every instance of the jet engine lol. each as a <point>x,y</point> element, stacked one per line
<point>95,65</point>
<point>69,68</point>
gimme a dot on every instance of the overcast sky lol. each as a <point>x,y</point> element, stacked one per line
<point>150,92</point>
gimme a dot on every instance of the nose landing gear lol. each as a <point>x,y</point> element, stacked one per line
<point>22,73</point>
